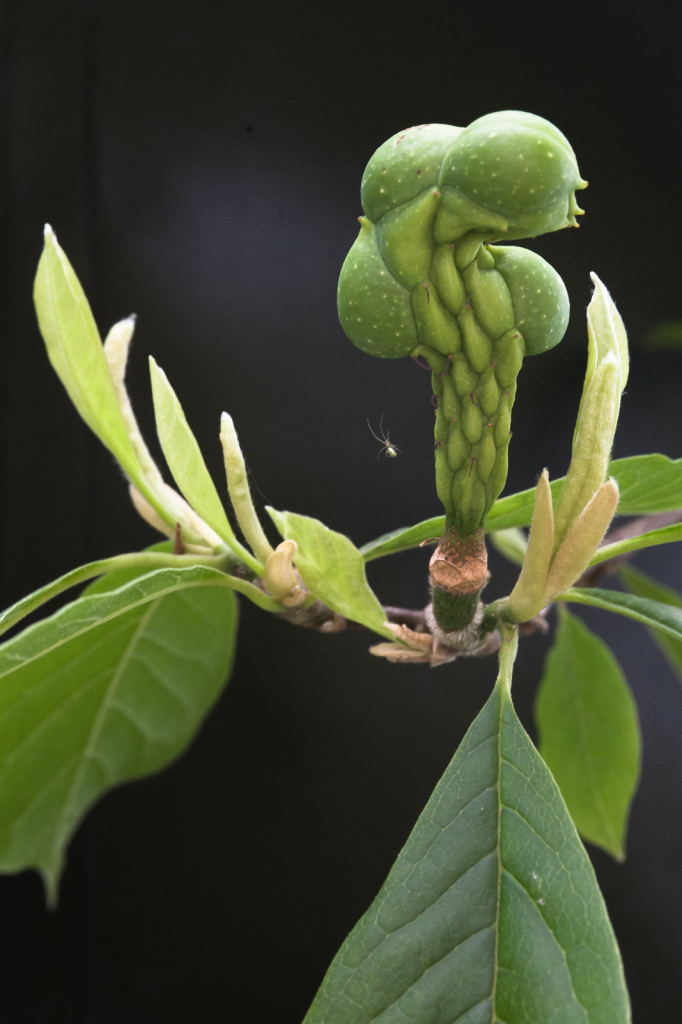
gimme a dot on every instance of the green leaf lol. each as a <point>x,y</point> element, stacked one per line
<point>187,465</point>
<point>512,543</point>
<point>644,586</point>
<point>491,912</point>
<point>647,483</point>
<point>404,538</point>
<point>589,733</point>
<point>158,557</point>
<point>111,687</point>
<point>333,569</point>
<point>654,614</point>
<point>664,535</point>
<point>75,351</point>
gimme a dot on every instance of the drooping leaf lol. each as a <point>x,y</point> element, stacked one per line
<point>647,483</point>
<point>332,568</point>
<point>75,351</point>
<point>491,912</point>
<point>111,687</point>
<point>654,614</point>
<point>512,543</point>
<point>187,465</point>
<point>589,733</point>
<point>158,557</point>
<point>644,586</point>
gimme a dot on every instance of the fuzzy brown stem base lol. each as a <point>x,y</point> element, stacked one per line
<point>459,572</point>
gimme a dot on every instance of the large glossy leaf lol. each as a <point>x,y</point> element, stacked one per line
<point>589,733</point>
<point>333,569</point>
<point>654,614</point>
<point>187,465</point>
<point>491,913</point>
<point>644,586</point>
<point>647,483</point>
<point>111,687</point>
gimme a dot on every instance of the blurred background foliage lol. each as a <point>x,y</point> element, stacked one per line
<point>201,165</point>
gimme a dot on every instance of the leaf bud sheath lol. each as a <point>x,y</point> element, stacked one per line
<point>591,447</point>
<point>240,493</point>
<point>581,542</point>
<point>527,597</point>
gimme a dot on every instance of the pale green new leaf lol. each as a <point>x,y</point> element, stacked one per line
<point>647,483</point>
<point>491,913</point>
<point>332,569</point>
<point>111,687</point>
<point>644,586</point>
<point>75,351</point>
<point>589,733</point>
<point>187,465</point>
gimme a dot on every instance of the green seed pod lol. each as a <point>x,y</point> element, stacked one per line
<point>407,164</point>
<point>472,420</point>
<point>374,309</point>
<point>476,344</point>
<point>444,480</point>
<point>447,279</point>
<point>436,325</point>
<point>502,421</point>
<point>519,167</point>
<point>470,500</point>
<point>459,448</point>
<point>405,237</point>
<point>485,454</point>
<point>442,430</point>
<point>422,279</point>
<point>487,392</point>
<point>489,296</point>
<point>465,379</point>
<point>538,295</point>
<point>451,402</point>
<point>508,355</point>
<point>459,215</point>
<point>499,474</point>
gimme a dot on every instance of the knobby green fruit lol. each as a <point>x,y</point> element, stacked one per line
<point>424,279</point>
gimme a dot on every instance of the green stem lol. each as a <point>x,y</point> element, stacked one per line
<point>507,656</point>
<point>137,560</point>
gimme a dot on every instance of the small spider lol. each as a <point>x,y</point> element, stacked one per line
<point>389,450</point>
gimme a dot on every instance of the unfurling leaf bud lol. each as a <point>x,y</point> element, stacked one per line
<point>605,378</point>
<point>527,597</point>
<point>281,578</point>
<point>581,542</point>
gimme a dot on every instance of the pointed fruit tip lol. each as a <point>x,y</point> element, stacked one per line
<point>48,232</point>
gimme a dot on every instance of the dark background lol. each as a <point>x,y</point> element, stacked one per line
<point>200,162</point>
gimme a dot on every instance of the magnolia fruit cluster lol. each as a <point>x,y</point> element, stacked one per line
<point>424,279</point>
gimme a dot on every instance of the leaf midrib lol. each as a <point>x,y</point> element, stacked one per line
<point>101,715</point>
<point>94,623</point>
